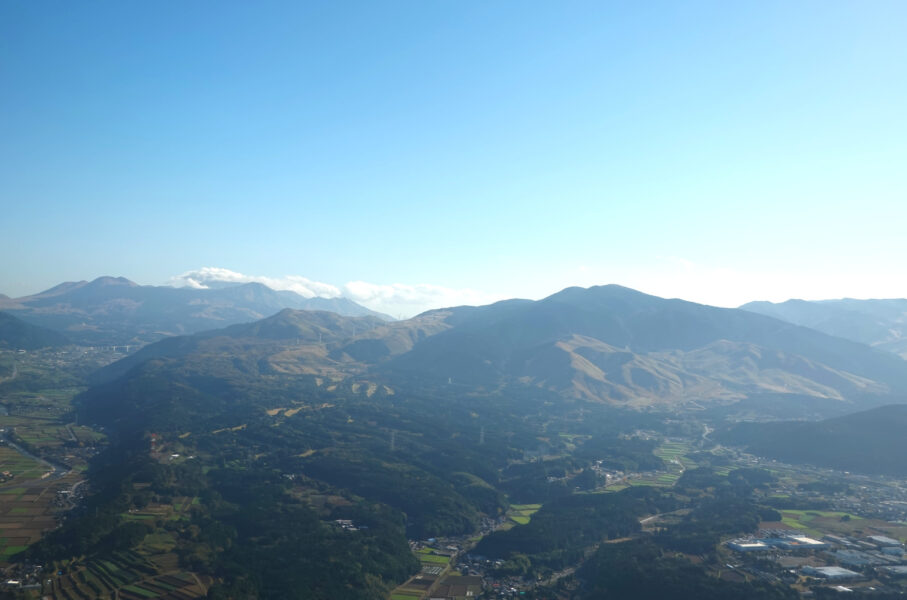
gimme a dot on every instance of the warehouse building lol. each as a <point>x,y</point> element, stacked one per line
<point>885,542</point>
<point>748,545</point>
<point>830,573</point>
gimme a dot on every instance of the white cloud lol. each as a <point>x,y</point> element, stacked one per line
<point>396,299</point>
<point>201,278</point>
<point>668,277</point>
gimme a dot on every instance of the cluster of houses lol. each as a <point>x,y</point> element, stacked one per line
<point>348,525</point>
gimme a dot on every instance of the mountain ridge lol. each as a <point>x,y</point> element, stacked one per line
<point>604,344</point>
<point>880,323</point>
<point>505,338</point>
<point>115,310</point>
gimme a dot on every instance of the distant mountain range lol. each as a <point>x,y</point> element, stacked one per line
<point>16,334</point>
<point>616,343</point>
<point>878,323</point>
<point>871,441</point>
<point>605,344</point>
<point>114,310</point>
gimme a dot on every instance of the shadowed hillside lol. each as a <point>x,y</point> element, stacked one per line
<point>16,334</point>
<point>871,441</point>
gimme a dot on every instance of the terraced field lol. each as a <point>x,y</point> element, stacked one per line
<point>126,575</point>
<point>674,454</point>
<point>28,510</point>
<point>177,509</point>
<point>419,586</point>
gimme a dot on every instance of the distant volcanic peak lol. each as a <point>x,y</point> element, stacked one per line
<point>607,290</point>
<point>70,286</point>
<point>608,297</point>
<point>107,280</point>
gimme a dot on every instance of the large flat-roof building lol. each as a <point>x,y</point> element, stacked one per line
<point>748,545</point>
<point>831,572</point>
<point>788,542</point>
<point>856,558</point>
<point>799,542</point>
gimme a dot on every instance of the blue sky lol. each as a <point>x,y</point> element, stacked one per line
<point>417,154</point>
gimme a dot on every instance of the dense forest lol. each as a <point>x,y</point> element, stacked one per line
<point>271,463</point>
<point>642,570</point>
<point>871,441</point>
<point>404,465</point>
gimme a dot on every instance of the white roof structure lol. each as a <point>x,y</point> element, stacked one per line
<point>831,572</point>
<point>885,541</point>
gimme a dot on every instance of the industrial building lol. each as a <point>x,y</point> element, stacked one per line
<point>790,542</point>
<point>856,558</point>
<point>748,546</point>
<point>830,572</point>
<point>799,542</point>
<point>885,542</point>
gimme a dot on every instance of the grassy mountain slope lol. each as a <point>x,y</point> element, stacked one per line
<point>304,339</point>
<point>617,344</point>
<point>604,344</point>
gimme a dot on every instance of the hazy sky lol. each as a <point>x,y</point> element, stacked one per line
<point>414,154</point>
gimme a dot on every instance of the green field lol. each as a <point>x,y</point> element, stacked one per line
<point>675,451</point>
<point>158,542</point>
<point>21,467</point>
<point>521,514</point>
<point>137,516</point>
<point>816,523</point>
<point>433,559</point>
<point>140,591</point>
<point>674,455</point>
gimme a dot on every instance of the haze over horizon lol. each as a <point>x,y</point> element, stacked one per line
<point>610,202</point>
<point>413,155</point>
<point>404,300</point>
